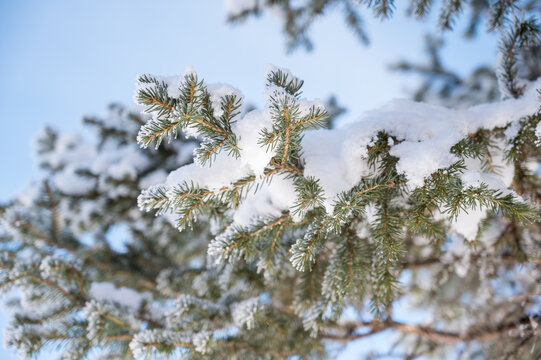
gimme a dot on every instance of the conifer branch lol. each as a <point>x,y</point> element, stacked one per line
<point>520,35</point>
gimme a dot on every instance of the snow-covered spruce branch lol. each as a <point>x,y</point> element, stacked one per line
<point>71,288</point>
<point>193,109</point>
<point>357,207</point>
<point>520,34</point>
<point>406,167</point>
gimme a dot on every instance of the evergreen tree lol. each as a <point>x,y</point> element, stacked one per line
<point>261,230</point>
<point>297,16</point>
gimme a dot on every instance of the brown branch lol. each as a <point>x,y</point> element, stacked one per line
<point>389,183</point>
<point>192,88</point>
<point>286,136</point>
<point>273,245</point>
<point>426,332</point>
<point>164,130</point>
<point>54,286</point>
<point>282,166</point>
<point>154,100</point>
<point>191,209</point>
<point>271,225</point>
<point>297,124</point>
<point>208,125</point>
<point>220,143</point>
<point>489,160</point>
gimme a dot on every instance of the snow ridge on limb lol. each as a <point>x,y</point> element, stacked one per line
<point>300,187</point>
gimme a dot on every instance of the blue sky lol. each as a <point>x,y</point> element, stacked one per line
<point>60,60</point>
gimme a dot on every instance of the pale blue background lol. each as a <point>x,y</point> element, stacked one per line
<point>60,60</point>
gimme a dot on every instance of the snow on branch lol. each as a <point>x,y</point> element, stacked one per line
<point>286,184</point>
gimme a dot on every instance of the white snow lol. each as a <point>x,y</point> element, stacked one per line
<point>532,166</point>
<point>29,195</point>
<point>251,153</point>
<point>269,201</point>
<point>512,131</point>
<point>338,158</point>
<point>475,179</point>
<point>467,222</point>
<point>244,312</point>
<point>333,159</point>
<point>428,133</point>
<point>236,7</point>
<point>70,183</point>
<point>73,153</point>
<point>156,177</point>
<point>108,292</point>
<point>217,91</point>
<point>223,171</point>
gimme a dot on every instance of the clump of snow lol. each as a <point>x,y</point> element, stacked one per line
<point>269,201</point>
<point>427,132</point>
<point>371,213</point>
<point>81,166</point>
<point>274,91</point>
<point>68,148</point>
<point>467,222</point>
<point>27,197</point>
<point>173,83</point>
<point>203,342</point>
<point>71,183</point>
<point>156,177</point>
<point>224,170</point>
<point>334,160</point>
<point>274,69</point>
<point>139,347</point>
<point>532,166</point>
<point>237,7</point>
<point>108,292</point>
<point>305,105</point>
<point>244,312</point>
<point>337,158</point>
<point>118,162</point>
<point>492,233</point>
<point>475,179</point>
<point>219,91</point>
<point>188,70</point>
<point>512,130</point>
<point>252,153</point>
